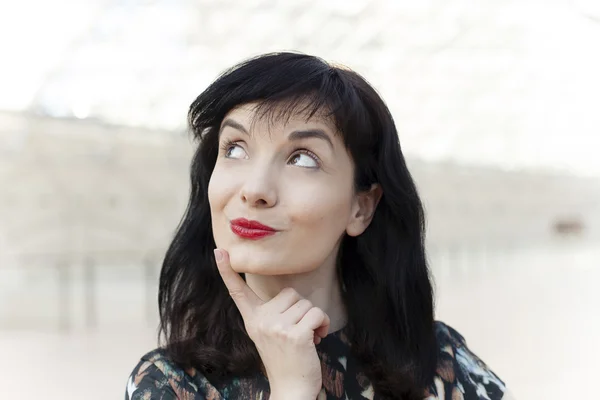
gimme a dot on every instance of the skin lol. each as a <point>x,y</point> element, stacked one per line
<point>308,197</point>
<point>284,330</point>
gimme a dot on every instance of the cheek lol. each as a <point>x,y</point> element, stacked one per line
<point>213,192</point>
<point>324,211</point>
<point>219,189</point>
<point>219,193</point>
<point>318,221</point>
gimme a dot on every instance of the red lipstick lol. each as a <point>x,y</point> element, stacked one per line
<point>251,229</point>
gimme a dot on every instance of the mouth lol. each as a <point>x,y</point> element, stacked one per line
<point>249,229</point>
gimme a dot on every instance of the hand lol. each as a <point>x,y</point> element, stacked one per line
<point>285,330</point>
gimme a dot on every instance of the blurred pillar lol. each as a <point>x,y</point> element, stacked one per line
<point>89,276</point>
<point>149,282</point>
<point>64,290</point>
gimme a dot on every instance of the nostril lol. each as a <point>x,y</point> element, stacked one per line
<point>258,198</point>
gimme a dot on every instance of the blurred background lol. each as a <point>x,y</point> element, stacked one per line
<point>498,108</point>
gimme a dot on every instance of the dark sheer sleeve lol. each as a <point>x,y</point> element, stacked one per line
<point>461,373</point>
<point>156,378</point>
<point>148,382</point>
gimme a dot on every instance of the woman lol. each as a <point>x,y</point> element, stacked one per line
<point>299,269</point>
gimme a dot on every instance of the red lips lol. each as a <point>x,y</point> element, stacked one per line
<point>251,229</point>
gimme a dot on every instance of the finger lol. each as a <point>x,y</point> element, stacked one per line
<point>322,332</point>
<point>245,299</point>
<point>295,313</point>
<point>284,301</point>
<point>317,339</point>
<point>316,320</point>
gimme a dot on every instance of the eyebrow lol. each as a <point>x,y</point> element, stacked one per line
<point>295,135</point>
<point>311,133</point>
<point>235,125</point>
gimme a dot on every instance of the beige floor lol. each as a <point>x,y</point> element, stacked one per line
<point>532,316</point>
<point>536,322</point>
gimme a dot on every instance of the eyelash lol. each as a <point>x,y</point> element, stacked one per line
<point>310,154</point>
<point>227,144</point>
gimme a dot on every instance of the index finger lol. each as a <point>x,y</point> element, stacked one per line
<point>244,298</point>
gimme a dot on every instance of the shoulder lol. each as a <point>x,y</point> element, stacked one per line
<point>156,377</point>
<point>460,372</point>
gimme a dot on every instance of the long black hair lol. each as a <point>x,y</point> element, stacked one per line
<point>387,288</point>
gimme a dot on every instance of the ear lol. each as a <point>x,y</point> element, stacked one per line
<point>363,210</point>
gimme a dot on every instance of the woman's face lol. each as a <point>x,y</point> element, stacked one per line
<point>294,176</point>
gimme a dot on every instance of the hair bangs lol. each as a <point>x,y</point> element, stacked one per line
<point>285,85</point>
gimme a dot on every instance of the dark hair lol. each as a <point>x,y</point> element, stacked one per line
<point>387,288</point>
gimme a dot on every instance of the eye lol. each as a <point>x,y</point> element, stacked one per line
<point>305,159</point>
<point>234,150</point>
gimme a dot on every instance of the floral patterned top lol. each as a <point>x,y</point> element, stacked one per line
<point>461,375</point>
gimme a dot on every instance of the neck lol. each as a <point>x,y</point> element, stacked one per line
<point>321,287</point>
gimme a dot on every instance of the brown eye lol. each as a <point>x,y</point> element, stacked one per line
<point>305,160</point>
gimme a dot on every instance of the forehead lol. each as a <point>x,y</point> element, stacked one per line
<point>275,117</point>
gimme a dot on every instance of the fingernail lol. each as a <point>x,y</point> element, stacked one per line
<point>218,255</point>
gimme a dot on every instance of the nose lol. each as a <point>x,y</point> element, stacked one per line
<point>259,188</point>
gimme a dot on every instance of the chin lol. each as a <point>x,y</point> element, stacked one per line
<point>264,264</point>
<point>261,269</point>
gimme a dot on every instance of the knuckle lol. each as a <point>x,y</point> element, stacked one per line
<point>262,327</point>
<point>304,303</point>
<point>316,311</point>
<point>288,291</point>
<point>293,334</point>
<point>298,336</point>
<point>277,329</point>
<point>273,329</point>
